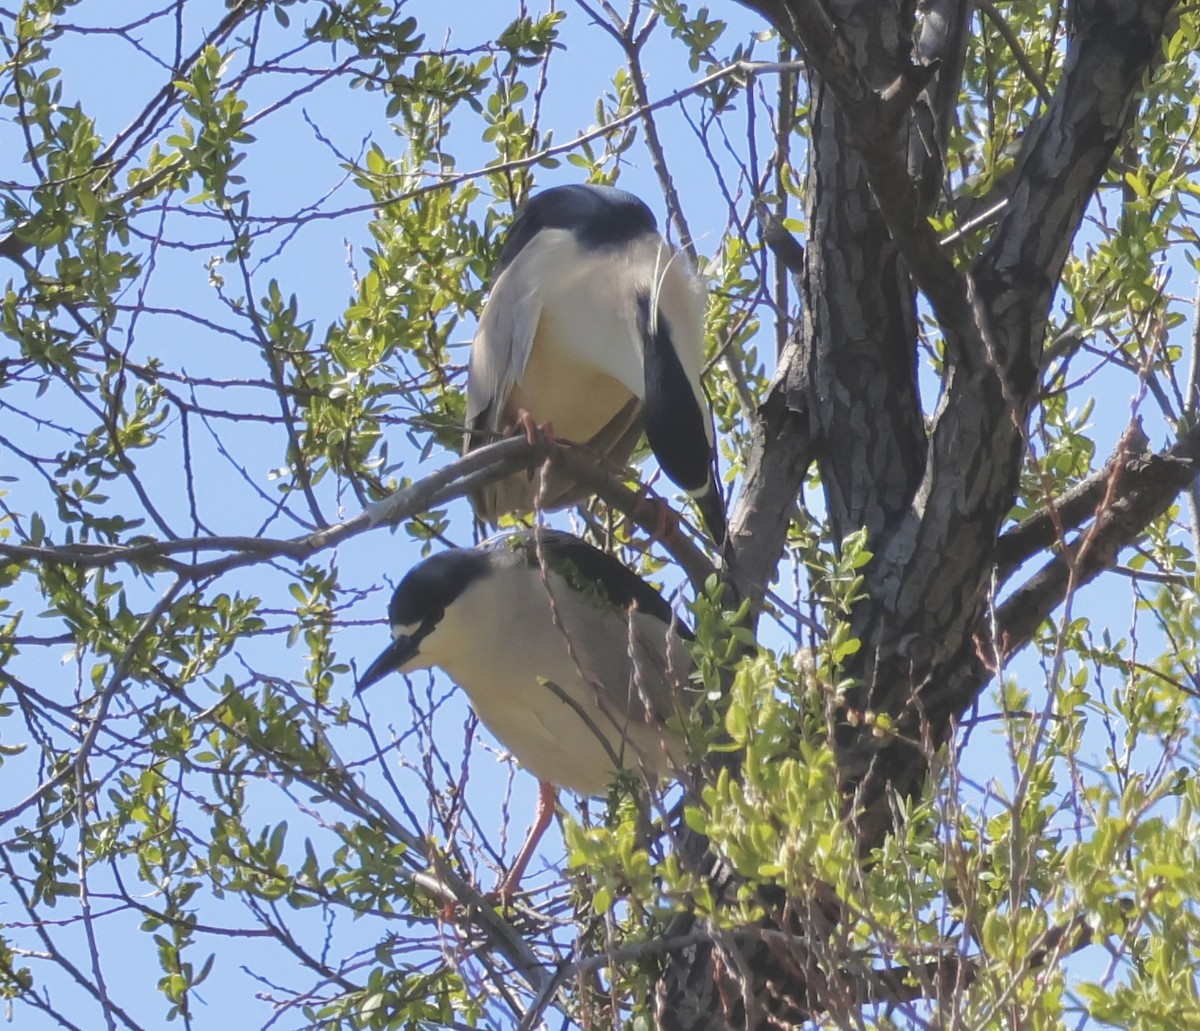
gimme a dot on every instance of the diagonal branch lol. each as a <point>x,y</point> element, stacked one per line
<point>928,589</point>
<point>1045,528</point>
<point>455,480</point>
<point>1146,487</point>
<point>928,584</point>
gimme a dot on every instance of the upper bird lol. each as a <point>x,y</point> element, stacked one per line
<point>593,330</point>
<point>569,658</point>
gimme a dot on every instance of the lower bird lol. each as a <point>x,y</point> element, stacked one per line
<point>594,330</point>
<point>571,660</point>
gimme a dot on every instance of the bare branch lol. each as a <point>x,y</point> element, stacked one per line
<point>453,481</point>
<point>1044,528</point>
<point>1014,45</point>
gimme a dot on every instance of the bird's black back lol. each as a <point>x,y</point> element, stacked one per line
<point>599,216</point>
<point>594,568</point>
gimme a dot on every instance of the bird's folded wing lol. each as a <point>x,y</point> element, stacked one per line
<point>663,666</point>
<point>502,343</point>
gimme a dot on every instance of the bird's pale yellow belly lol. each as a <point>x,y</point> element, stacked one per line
<point>577,398</point>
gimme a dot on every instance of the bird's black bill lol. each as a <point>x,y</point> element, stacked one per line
<point>391,658</point>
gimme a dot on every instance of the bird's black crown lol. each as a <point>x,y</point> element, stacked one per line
<point>599,216</point>
<point>429,588</point>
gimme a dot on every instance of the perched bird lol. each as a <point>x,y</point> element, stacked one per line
<point>570,659</point>
<point>593,330</point>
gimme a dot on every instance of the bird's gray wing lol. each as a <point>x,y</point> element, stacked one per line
<point>502,343</point>
<point>662,666</point>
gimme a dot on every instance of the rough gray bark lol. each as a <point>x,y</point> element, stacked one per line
<point>845,396</point>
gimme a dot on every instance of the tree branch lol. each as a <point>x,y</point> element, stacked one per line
<point>1015,48</point>
<point>1138,491</point>
<point>1070,510</point>
<point>928,589</point>
<point>455,480</point>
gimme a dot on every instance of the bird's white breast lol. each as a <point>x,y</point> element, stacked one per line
<point>586,358</point>
<point>506,657</point>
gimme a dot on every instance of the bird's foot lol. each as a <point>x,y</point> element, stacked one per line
<point>505,893</point>
<point>661,519</point>
<point>534,431</point>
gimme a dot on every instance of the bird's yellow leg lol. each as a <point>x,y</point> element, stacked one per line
<point>663,517</point>
<point>542,816</point>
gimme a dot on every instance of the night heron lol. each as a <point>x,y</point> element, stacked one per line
<point>574,663</point>
<point>593,331</point>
